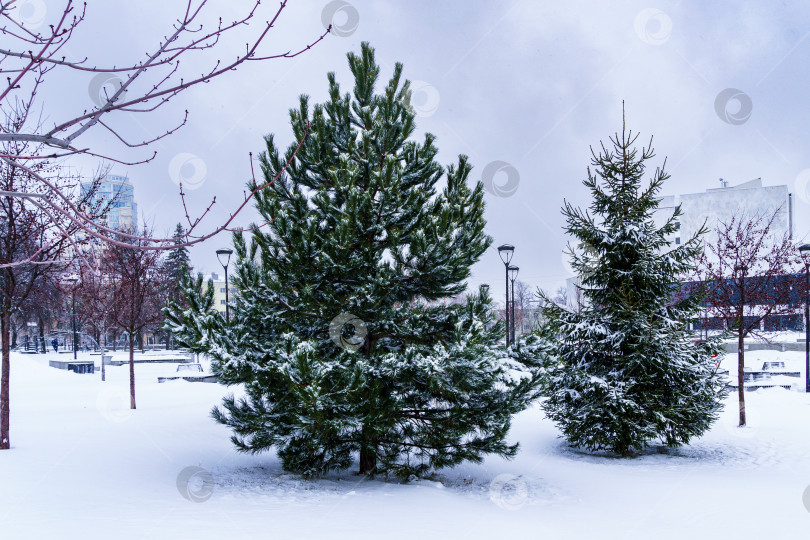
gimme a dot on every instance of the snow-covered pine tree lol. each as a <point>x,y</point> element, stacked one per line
<point>340,337</point>
<point>178,264</point>
<point>626,369</point>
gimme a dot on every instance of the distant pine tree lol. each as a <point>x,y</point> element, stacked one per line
<point>178,263</point>
<point>339,336</point>
<point>627,369</point>
<point>177,271</point>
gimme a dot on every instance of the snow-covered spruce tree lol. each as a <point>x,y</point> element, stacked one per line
<point>338,334</point>
<point>626,369</point>
<point>178,262</point>
<point>177,266</point>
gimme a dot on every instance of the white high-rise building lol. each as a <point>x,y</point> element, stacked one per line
<point>720,205</point>
<point>120,194</point>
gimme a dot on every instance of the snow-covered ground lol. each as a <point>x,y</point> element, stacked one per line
<point>785,336</point>
<point>84,466</point>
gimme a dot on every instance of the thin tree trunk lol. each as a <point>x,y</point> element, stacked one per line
<point>131,372</point>
<point>741,349</point>
<point>740,375</point>
<point>42,335</point>
<point>102,347</point>
<point>5,365</point>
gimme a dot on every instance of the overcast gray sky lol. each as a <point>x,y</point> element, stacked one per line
<point>526,83</point>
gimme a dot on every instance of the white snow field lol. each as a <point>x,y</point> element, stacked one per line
<point>82,465</point>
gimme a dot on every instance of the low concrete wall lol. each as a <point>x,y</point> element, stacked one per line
<point>150,359</point>
<point>76,366</point>
<point>782,347</point>
<point>190,378</point>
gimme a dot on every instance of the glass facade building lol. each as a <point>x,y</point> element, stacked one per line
<point>119,193</point>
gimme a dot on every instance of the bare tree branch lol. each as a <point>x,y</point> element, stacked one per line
<point>29,59</point>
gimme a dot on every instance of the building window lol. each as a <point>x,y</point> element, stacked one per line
<point>678,241</point>
<point>222,302</point>
<point>222,289</point>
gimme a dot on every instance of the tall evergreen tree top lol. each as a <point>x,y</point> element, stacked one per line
<point>359,206</point>
<point>627,368</point>
<point>624,258</point>
<point>178,260</point>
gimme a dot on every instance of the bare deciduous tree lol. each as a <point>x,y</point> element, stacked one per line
<point>30,232</point>
<point>525,320</point>
<point>42,306</point>
<point>33,59</point>
<point>136,284</point>
<point>95,300</point>
<point>750,274</point>
<point>561,296</point>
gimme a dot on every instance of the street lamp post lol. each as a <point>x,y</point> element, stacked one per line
<point>505,252</point>
<point>513,273</point>
<point>224,256</point>
<point>805,253</point>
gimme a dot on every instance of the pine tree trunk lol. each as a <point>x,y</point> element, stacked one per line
<point>368,460</point>
<point>740,375</point>
<point>5,441</point>
<point>368,454</point>
<point>131,372</point>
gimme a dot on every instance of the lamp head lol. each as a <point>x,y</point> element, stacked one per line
<point>506,251</point>
<point>804,251</point>
<point>513,272</point>
<point>224,256</point>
